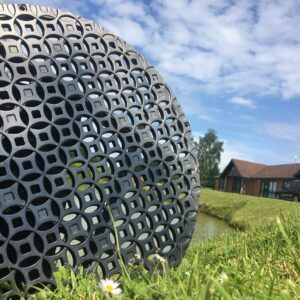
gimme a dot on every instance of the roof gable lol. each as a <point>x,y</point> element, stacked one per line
<point>242,168</point>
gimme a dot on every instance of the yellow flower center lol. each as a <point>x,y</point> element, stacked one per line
<point>109,288</point>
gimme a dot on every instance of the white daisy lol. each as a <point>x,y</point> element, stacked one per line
<point>110,287</point>
<point>158,258</point>
<point>223,277</point>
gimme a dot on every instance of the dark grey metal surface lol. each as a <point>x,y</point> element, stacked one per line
<point>87,126</point>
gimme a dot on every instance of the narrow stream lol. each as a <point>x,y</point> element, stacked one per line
<point>208,226</point>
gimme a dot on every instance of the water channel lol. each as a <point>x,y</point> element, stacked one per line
<point>208,227</point>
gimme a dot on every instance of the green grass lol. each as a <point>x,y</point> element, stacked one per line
<point>243,211</point>
<point>261,262</point>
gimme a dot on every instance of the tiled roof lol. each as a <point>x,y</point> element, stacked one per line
<point>279,171</point>
<point>247,168</point>
<point>250,169</point>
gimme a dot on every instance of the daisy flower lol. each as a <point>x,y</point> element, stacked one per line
<point>110,287</point>
<point>158,258</point>
<point>223,277</point>
<point>161,259</point>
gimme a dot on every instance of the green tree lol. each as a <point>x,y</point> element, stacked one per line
<point>209,155</point>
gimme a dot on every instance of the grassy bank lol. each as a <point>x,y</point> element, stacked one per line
<point>244,211</point>
<point>260,263</point>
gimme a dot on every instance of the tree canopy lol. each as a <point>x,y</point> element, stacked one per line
<point>209,155</point>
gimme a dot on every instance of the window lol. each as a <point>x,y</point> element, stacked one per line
<point>268,188</point>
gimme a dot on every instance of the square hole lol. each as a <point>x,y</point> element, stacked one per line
<point>95,46</point>
<point>34,274</point>
<point>13,49</point>
<point>43,136</point>
<point>87,198</point>
<point>105,124</point>
<point>21,70</point>
<point>25,248</point>
<point>51,159</point>
<point>36,48</point>
<point>17,222</point>
<point>96,220</point>
<point>57,48</point>
<point>74,229</point>
<point>6,27</point>
<point>58,111</point>
<point>64,67</point>
<point>50,27</point>
<point>79,107</point>
<point>28,92</point>
<point>51,238</point>
<point>66,132</point>
<point>19,141</point>
<point>91,85</point>
<point>108,83</point>
<point>51,89</point>
<point>112,144</point>
<point>59,181</point>
<point>77,46</point>
<point>8,197</point>
<point>35,189</point>
<point>4,95</point>
<point>43,213</point>
<point>43,69</point>
<point>36,114</point>
<point>27,165</point>
<point>73,153</point>
<point>72,87</point>
<point>70,27</point>
<point>93,149</point>
<point>102,64</point>
<point>80,175</point>
<point>29,28</point>
<point>100,170</point>
<point>116,101</point>
<point>88,27</point>
<point>82,252</point>
<point>83,66</point>
<point>2,171</point>
<point>129,139</point>
<point>11,118</point>
<point>67,205</point>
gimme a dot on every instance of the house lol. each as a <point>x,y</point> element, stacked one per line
<point>250,178</point>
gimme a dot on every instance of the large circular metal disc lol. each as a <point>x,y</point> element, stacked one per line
<point>91,139</point>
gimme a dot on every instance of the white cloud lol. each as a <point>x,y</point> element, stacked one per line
<point>242,102</point>
<point>282,131</point>
<point>227,46</point>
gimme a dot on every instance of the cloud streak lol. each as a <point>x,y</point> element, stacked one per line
<point>242,102</point>
<point>227,46</point>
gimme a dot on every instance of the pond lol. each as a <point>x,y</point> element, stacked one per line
<point>208,226</point>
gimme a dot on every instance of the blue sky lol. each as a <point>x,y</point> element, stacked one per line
<point>234,65</point>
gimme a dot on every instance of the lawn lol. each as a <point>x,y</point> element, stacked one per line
<point>261,262</point>
<point>243,211</point>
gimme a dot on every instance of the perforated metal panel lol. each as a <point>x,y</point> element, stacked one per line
<point>88,130</point>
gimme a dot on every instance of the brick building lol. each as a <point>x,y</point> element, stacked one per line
<point>255,179</point>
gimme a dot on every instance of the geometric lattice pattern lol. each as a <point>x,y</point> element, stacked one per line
<point>89,134</point>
